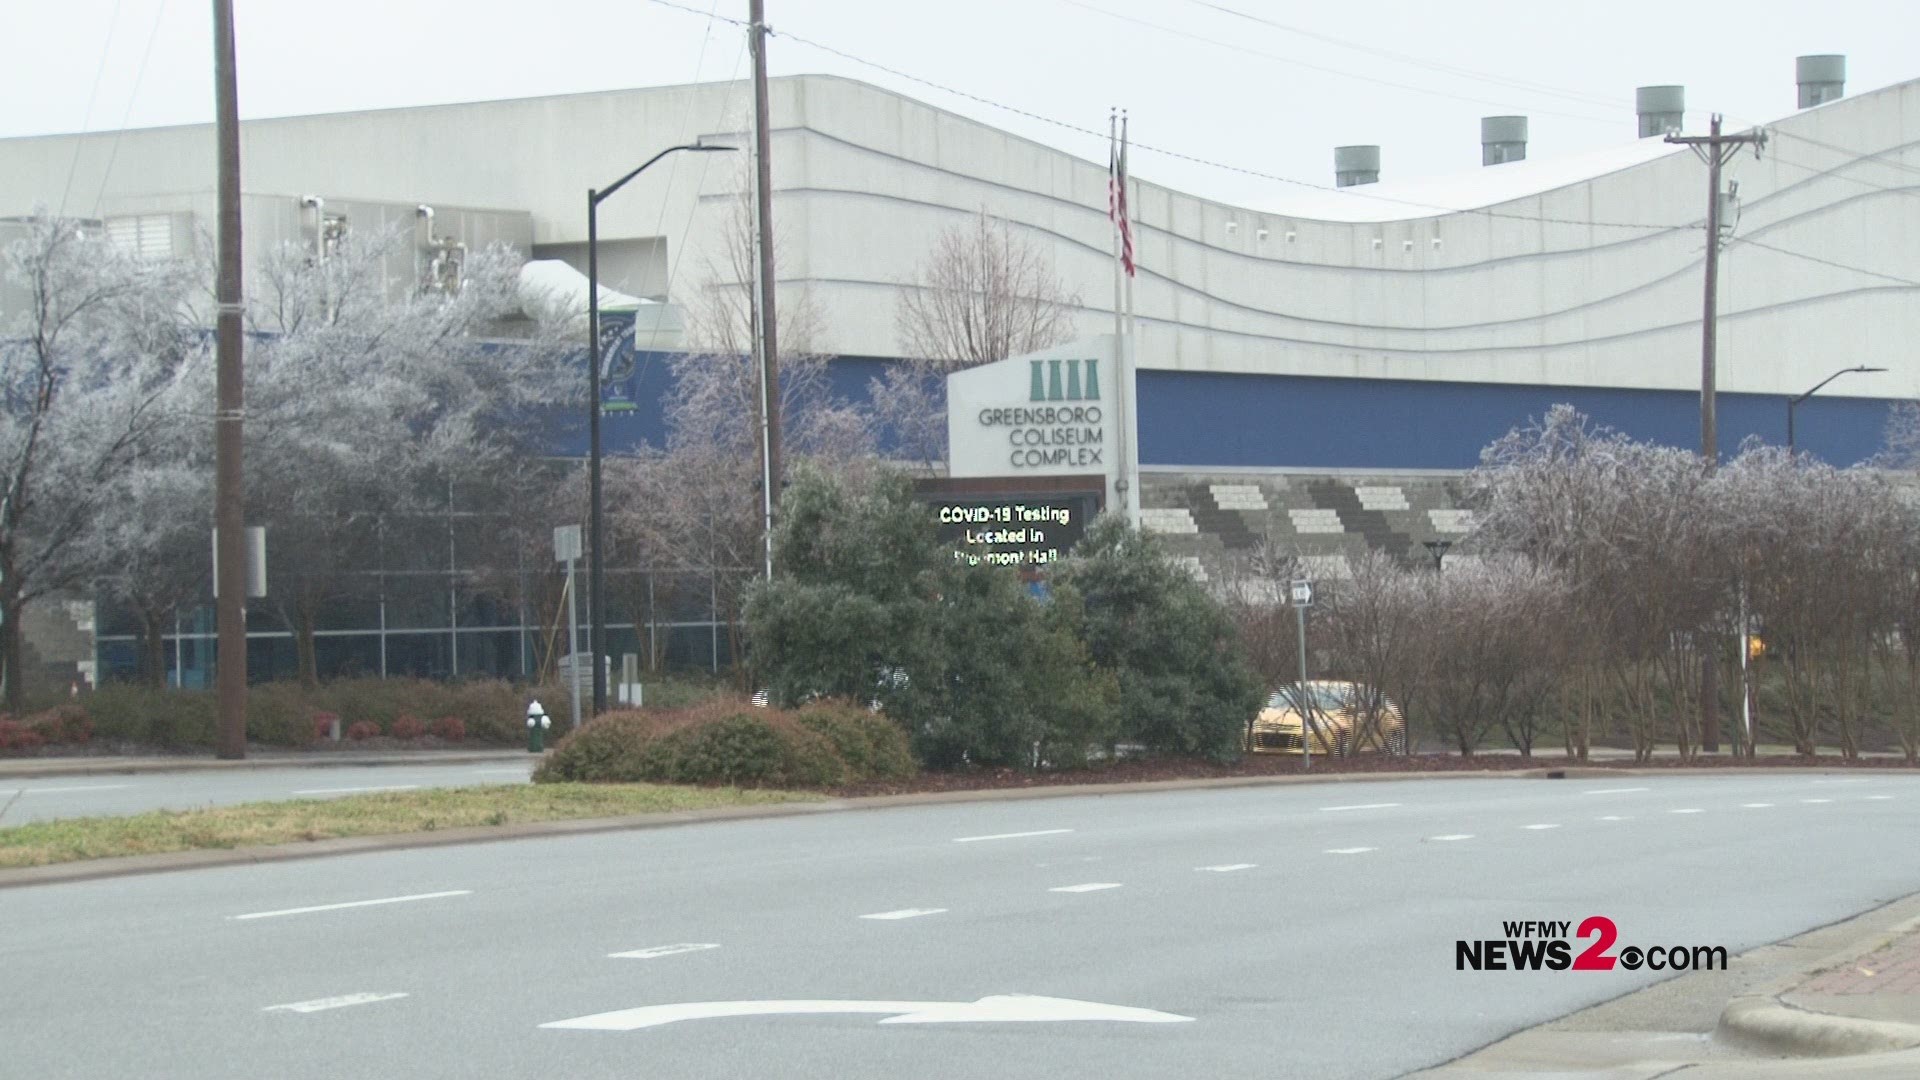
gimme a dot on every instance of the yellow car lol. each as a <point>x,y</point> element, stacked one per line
<point>1338,711</point>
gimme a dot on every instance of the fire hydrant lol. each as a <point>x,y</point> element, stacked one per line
<point>537,725</point>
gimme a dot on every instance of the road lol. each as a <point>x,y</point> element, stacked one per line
<point>1274,931</point>
<point>91,796</point>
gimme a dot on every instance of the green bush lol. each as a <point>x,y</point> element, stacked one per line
<point>138,714</point>
<point>728,742</point>
<point>873,747</point>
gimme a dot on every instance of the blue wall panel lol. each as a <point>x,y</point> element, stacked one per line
<point>1205,419</point>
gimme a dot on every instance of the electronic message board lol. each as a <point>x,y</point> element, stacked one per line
<point>1027,531</point>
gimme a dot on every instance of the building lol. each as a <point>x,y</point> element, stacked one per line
<point>1318,371</point>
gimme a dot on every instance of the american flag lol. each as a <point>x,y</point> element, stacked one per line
<point>1117,201</point>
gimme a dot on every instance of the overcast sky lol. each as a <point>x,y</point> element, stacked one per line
<point>1412,75</point>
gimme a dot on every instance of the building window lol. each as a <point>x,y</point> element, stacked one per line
<point>144,236</point>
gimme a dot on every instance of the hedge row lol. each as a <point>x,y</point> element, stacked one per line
<point>823,744</point>
<point>287,714</point>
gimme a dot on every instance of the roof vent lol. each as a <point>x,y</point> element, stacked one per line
<point>1821,78</point>
<point>1355,165</point>
<point>1661,109</point>
<point>1503,139</point>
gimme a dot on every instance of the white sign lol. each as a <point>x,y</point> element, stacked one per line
<point>566,543</point>
<point>1302,592</point>
<point>1003,1008</point>
<point>1050,413</point>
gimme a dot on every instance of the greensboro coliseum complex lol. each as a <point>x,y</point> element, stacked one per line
<point>1321,371</point>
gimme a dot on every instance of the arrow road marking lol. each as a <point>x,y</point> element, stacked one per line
<point>998,1008</point>
<point>352,904</point>
<point>1009,835</point>
<point>323,1004</point>
<point>660,950</point>
<point>906,913</point>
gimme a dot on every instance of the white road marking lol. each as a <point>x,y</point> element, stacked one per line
<point>1614,790</point>
<point>352,904</point>
<point>1349,850</point>
<point>906,913</point>
<point>1879,796</point>
<point>1091,886</point>
<point>1227,868</point>
<point>1686,810</point>
<point>1815,800</point>
<point>1362,806</point>
<point>323,1004</point>
<point>62,790</point>
<point>1542,826</point>
<point>1453,836</point>
<point>999,1007</point>
<point>1009,835</point>
<point>1756,805</point>
<point>356,790</point>
<point>661,950</point>
<point>1609,817</point>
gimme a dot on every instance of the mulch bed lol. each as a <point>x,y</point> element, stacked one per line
<point>1146,769</point>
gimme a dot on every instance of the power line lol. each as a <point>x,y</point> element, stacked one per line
<point>86,117</point>
<point>133,95</point>
<point>1826,262</point>
<point>1578,96</point>
<point>1426,91</point>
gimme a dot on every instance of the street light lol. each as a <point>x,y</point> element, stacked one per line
<point>596,565</point>
<point>1793,402</point>
<point>1437,549</point>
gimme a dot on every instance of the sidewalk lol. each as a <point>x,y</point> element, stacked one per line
<point>1841,1002</point>
<point>104,765</point>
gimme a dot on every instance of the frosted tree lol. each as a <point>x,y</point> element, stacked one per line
<point>93,372</point>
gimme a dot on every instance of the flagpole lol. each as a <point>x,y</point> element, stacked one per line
<point>1119,316</point>
<point>1130,462</point>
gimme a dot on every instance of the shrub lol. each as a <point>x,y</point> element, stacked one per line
<point>450,728</point>
<point>140,714</point>
<point>362,730</point>
<point>279,714</point>
<point>872,746</point>
<point>407,726</point>
<point>323,724</point>
<point>15,735</point>
<point>63,724</point>
<point>495,711</point>
<point>719,742</point>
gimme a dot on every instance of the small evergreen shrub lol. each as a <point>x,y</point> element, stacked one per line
<point>450,728</point>
<point>407,726</point>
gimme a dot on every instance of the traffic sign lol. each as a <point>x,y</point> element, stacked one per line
<point>1302,592</point>
<point>566,543</point>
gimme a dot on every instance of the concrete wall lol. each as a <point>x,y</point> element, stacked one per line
<point>1524,289</point>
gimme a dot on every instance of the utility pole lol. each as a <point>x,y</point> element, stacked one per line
<point>1716,149</point>
<point>768,339</point>
<point>230,519</point>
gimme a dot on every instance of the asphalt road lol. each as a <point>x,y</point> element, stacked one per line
<point>1277,931</point>
<point>91,796</point>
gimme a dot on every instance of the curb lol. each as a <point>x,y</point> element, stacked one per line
<point>1761,1021</point>
<point>30,769</point>
<point>93,869</point>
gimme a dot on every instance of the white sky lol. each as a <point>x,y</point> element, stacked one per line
<point>1252,95</point>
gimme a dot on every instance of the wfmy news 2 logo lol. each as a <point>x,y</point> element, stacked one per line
<point>1547,946</point>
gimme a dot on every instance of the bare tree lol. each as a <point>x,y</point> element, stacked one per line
<point>93,372</point>
<point>983,294</point>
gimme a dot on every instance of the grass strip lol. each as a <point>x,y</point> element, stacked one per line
<point>39,843</point>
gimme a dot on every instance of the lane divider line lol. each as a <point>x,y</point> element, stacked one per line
<point>1755,805</point>
<point>323,1004</point>
<point>662,950</point>
<point>351,904</point>
<point>62,790</point>
<point>906,913</point>
<point>1360,806</point>
<point>1614,790</point>
<point>1453,836</point>
<point>1349,850</point>
<point>1879,796</point>
<point>1687,810</point>
<point>1227,868</point>
<point>1009,835</point>
<point>1091,886</point>
<point>357,790</point>
<point>1609,817</point>
<point>1540,826</point>
<point>1816,800</point>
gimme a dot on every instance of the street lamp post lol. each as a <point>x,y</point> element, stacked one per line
<point>1438,549</point>
<point>1793,403</point>
<point>596,555</point>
